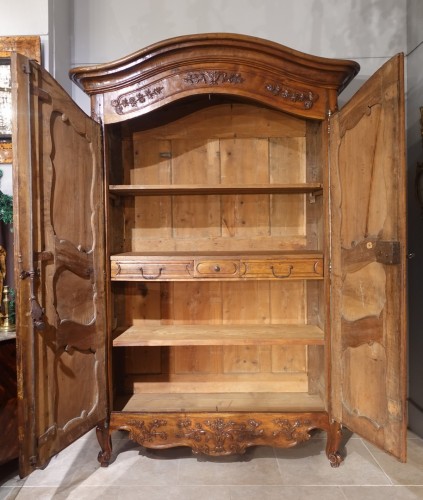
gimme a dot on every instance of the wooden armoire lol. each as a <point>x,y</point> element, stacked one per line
<point>216,258</point>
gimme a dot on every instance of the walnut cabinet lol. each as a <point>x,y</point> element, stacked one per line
<point>216,258</point>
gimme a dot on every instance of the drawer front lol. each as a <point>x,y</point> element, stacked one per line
<point>283,269</point>
<point>216,268</point>
<point>150,271</point>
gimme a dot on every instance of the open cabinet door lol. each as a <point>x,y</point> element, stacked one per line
<point>59,261</point>
<point>368,252</point>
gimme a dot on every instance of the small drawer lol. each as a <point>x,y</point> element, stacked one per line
<point>150,271</point>
<point>283,269</point>
<point>217,268</point>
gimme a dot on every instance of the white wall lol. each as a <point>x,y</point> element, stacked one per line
<point>26,17</point>
<point>60,39</point>
<point>52,20</point>
<point>22,17</point>
<point>84,32</point>
<point>368,31</point>
<point>107,29</point>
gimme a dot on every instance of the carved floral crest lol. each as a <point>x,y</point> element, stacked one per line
<point>219,436</point>
<point>305,96</point>
<point>130,101</point>
<point>141,432</point>
<point>297,431</point>
<point>213,78</point>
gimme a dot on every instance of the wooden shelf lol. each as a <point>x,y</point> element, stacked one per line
<point>268,255</point>
<point>190,335</point>
<point>220,402</point>
<point>201,189</point>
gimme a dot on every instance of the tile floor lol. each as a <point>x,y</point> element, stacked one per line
<point>301,473</point>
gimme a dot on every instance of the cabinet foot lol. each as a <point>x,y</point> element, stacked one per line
<point>335,459</point>
<point>333,444</point>
<point>105,442</point>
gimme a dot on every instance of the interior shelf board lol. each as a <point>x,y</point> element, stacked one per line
<point>190,335</point>
<point>201,189</point>
<point>220,402</point>
<point>269,255</point>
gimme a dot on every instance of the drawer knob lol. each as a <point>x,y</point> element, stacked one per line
<point>217,268</point>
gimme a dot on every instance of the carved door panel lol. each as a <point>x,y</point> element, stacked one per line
<point>368,298</point>
<point>59,251</point>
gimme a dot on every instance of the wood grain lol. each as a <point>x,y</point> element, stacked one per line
<point>219,335</point>
<point>235,401</point>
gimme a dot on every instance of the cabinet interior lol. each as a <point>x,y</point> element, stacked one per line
<point>216,208</point>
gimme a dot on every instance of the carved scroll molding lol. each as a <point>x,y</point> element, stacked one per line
<point>131,101</point>
<point>306,97</point>
<point>213,78</point>
<point>219,436</point>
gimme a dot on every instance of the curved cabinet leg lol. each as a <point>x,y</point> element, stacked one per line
<point>333,444</point>
<point>105,442</point>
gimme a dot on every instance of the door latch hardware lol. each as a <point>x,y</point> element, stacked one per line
<point>26,274</point>
<point>29,274</point>
<point>37,313</point>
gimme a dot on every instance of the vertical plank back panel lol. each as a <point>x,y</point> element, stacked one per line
<point>229,145</point>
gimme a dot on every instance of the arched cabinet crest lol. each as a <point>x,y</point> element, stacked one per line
<point>243,66</point>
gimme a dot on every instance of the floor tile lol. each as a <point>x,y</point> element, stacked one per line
<point>412,435</point>
<point>74,463</point>
<point>409,473</point>
<point>11,478</point>
<point>307,464</point>
<point>188,492</point>
<point>286,493</point>
<point>383,492</point>
<point>302,472</point>
<point>257,466</point>
<point>131,465</point>
<point>125,493</point>
<point>8,493</point>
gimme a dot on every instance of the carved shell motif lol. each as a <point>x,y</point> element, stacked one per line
<point>219,436</point>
